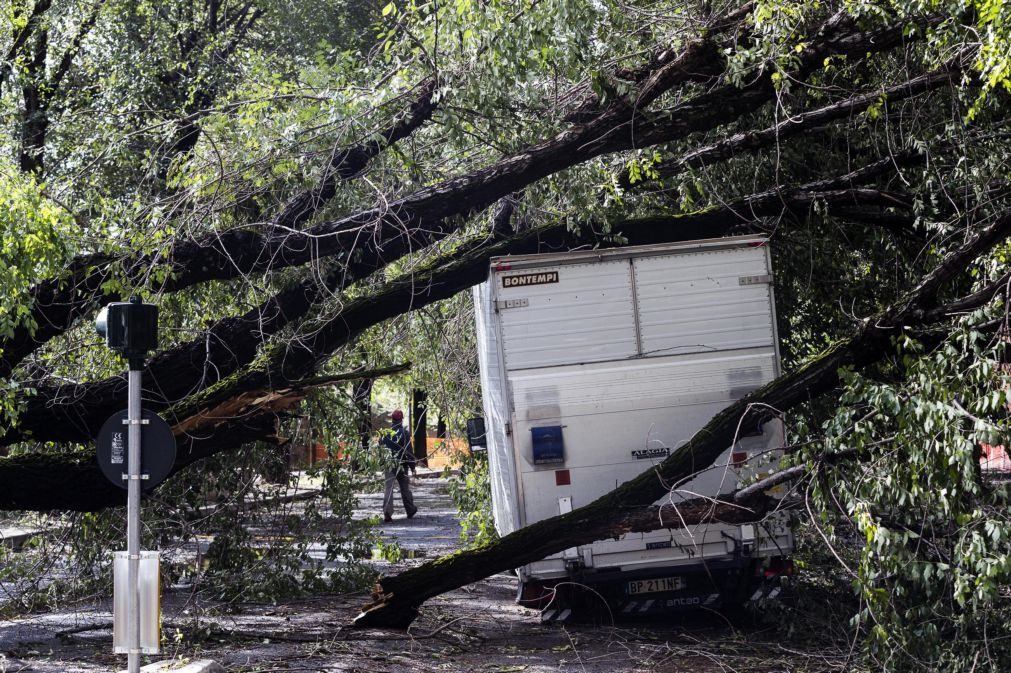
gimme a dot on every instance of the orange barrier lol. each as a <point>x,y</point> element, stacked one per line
<point>447,452</point>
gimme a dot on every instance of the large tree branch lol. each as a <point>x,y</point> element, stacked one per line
<point>796,124</point>
<point>972,301</point>
<point>588,103</point>
<point>347,162</point>
<point>838,36</point>
<point>44,482</point>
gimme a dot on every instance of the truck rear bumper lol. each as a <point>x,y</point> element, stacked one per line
<point>656,591</point>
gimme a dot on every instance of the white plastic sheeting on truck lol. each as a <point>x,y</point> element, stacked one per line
<point>500,462</point>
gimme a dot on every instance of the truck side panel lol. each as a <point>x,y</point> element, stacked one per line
<point>622,417</point>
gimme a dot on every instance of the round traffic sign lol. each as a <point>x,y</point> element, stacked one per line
<point>157,453</point>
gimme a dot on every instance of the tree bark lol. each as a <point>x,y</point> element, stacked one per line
<point>398,598</point>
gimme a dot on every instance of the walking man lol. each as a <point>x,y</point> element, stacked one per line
<point>399,444</point>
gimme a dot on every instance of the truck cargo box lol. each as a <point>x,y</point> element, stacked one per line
<point>596,365</point>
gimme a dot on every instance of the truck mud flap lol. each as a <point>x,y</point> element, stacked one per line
<point>769,590</point>
<point>556,615</point>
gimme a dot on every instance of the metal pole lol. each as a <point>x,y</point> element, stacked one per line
<point>133,523</point>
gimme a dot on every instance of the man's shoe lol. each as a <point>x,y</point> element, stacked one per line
<point>410,515</point>
<point>387,518</point>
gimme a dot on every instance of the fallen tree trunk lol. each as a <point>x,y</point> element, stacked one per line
<point>74,412</point>
<point>398,598</point>
<point>45,482</point>
<point>466,266</point>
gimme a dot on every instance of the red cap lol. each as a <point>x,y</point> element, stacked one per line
<point>397,415</point>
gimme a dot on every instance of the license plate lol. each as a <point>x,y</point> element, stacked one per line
<point>656,584</point>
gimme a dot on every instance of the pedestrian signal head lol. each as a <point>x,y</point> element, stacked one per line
<point>130,328</point>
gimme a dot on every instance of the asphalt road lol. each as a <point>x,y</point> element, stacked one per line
<point>475,628</point>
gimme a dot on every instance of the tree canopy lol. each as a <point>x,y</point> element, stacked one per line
<point>289,180</point>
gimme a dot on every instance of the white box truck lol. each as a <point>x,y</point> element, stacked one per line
<point>597,364</point>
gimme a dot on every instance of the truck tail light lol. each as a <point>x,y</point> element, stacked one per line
<point>780,566</point>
